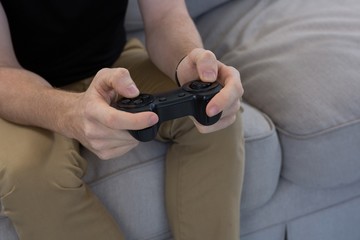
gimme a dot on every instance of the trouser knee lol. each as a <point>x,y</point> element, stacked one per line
<point>24,177</point>
<point>56,164</point>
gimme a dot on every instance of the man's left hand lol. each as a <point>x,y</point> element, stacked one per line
<point>202,64</point>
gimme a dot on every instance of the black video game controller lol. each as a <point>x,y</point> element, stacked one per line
<point>189,100</point>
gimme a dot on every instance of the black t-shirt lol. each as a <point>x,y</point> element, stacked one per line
<point>66,40</point>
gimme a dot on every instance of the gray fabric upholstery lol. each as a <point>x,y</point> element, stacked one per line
<point>7,231</point>
<point>273,233</point>
<point>291,202</point>
<point>263,158</point>
<point>313,107</point>
<point>137,195</point>
<point>299,62</point>
<point>196,8</point>
<point>338,222</point>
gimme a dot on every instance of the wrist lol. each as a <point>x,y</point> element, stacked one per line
<point>60,113</point>
<point>176,71</point>
<point>68,118</point>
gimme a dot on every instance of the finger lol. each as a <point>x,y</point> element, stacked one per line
<point>117,79</point>
<point>229,95</point>
<point>221,102</point>
<point>232,110</point>
<point>120,120</point>
<point>206,64</point>
<point>221,124</point>
<point>110,138</point>
<point>119,150</point>
<point>227,118</point>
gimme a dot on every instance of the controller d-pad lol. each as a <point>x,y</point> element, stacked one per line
<point>139,101</point>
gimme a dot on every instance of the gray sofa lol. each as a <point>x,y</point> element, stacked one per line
<point>300,67</point>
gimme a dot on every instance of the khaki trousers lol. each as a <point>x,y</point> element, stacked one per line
<point>43,193</point>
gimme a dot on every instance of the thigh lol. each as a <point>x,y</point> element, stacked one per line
<point>45,169</point>
<point>31,153</point>
<point>146,75</point>
<point>23,146</point>
<point>148,78</point>
<point>204,174</point>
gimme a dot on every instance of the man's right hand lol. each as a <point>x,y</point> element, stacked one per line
<point>101,128</point>
<point>28,99</point>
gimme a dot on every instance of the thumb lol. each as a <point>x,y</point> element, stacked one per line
<point>123,84</point>
<point>118,80</point>
<point>206,64</point>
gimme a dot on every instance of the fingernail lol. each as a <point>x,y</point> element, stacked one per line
<point>209,75</point>
<point>213,111</point>
<point>132,89</point>
<point>153,120</point>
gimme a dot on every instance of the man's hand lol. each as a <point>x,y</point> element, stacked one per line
<point>203,64</point>
<point>102,128</point>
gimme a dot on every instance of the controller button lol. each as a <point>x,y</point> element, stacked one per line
<point>138,101</point>
<point>125,101</point>
<point>162,99</point>
<point>145,97</point>
<point>181,94</point>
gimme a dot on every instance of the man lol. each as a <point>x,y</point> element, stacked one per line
<point>59,72</point>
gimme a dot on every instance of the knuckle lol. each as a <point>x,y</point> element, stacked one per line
<point>233,109</point>
<point>88,131</point>
<point>121,72</point>
<point>200,54</point>
<point>231,120</point>
<point>208,54</point>
<point>203,129</point>
<point>111,120</point>
<point>87,111</point>
<point>112,74</point>
<point>235,71</point>
<point>104,70</point>
<point>103,155</point>
<point>102,73</point>
<point>226,121</point>
<point>239,87</point>
<point>94,144</point>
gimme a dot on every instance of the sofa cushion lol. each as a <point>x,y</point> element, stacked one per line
<point>132,189</point>
<point>142,154</point>
<point>7,231</point>
<point>262,159</point>
<point>299,64</point>
<point>292,202</point>
<point>335,223</point>
<point>196,8</point>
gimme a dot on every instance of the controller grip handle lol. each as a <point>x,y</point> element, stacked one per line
<point>144,135</point>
